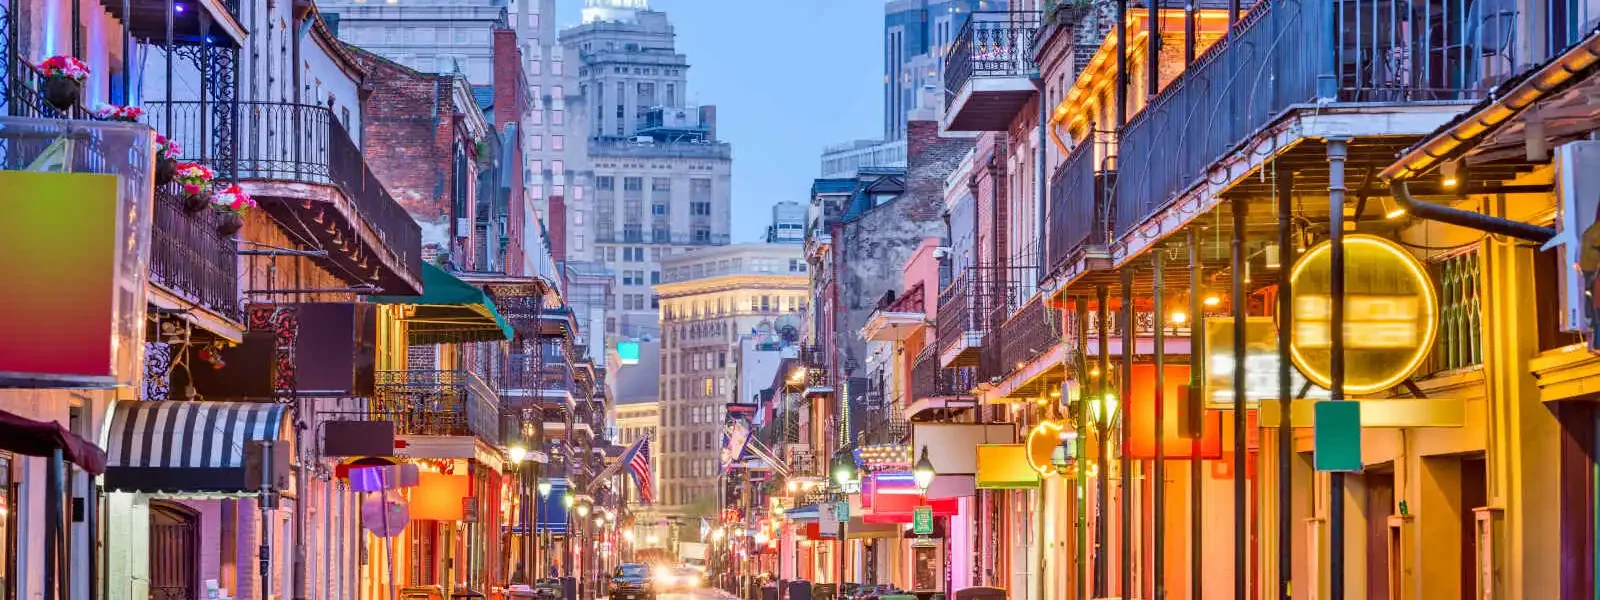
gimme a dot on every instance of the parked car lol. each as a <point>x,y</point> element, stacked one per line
<point>633,581</point>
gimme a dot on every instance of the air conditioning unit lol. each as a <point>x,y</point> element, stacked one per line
<point>1578,201</point>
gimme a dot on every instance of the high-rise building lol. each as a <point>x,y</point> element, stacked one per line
<point>844,161</point>
<point>710,300</point>
<point>917,35</point>
<point>788,224</point>
<point>661,180</point>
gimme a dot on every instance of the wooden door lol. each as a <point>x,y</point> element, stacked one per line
<point>174,552</point>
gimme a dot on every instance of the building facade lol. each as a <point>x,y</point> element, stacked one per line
<point>710,300</point>
<point>917,36</point>
<point>843,161</point>
<point>788,224</point>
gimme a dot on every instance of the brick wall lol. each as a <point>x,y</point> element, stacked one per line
<point>510,104</point>
<point>556,223</point>
<point>874,248</point>
<point>409,130</point>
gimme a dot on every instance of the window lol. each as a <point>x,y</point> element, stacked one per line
<point>702,236</point>
<point>533,19</point>
<point>555,68</point>
<point>632,184</point>
<point>659,210</point>
<point>577,217</point>
<point>655,277</point>
<point>536,141</point>
<point>558,142</point>
<point>536,117</point>
<point>558,117</point>
<point>605,183</point>
<point>700,209</point>
<point>655,301</point>
<point>558,168</point>
<point>533,66</point>
<point>577,242</point>
<point>707,386</point>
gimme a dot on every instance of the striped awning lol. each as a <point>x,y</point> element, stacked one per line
<point>188,447</point>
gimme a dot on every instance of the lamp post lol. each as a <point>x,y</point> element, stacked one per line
<point>923,472</point>
<point>844,472</point>
<point>566,565</point>
<point>518,454</point>
<point>543,488</point>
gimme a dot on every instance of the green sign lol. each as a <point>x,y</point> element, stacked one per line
<point>628,353</point>
<point>922,521</point>
<point>841,511</point>
<point>1338,436</point>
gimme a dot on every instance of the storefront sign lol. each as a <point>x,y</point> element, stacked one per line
<point>922,521</point>
<point>1005,466</point>
<point>1260,364</point>
<point>841,511</point>
<point>1390,316</point>
<point>1042,442</point>
<point>1140,411</point>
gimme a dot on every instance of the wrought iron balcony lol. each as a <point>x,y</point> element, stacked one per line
<point>529,382</point>
<point>987,75</point>
<point>190,260</point>
<point>304,168</point>
<point>438,403</point>
<point>804,462</point>
<point>1028,333</point>
<point>1383,51</point>
<point>967,309</point>
<point>931,381</point>
<point>1080,203</point>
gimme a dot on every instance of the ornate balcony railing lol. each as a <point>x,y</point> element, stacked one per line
<point>189,258</point>
<point>1384,52</point>
<point>990,44</point>
<point>929,380</point>
<point>298,143</point>
<point>1080,202</point>
<point>438,403</point>
<point>1028,333</point>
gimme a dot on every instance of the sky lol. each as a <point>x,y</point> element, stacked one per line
<point>788,78</point>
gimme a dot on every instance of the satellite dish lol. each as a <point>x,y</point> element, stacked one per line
<point>385,516</point>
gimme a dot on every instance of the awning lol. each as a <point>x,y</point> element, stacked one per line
<point>189,447</point>
<point>450,310</point>
<point>42,438</point>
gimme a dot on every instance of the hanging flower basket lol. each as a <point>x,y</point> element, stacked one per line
<point>112,112</point>
<point>63,81</point>
<point>166,159</point>
<point>232,203</point>
<point>196,181</point>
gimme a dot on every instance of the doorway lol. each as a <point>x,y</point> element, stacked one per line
<point>1379,505</point>
<point>174,552</point>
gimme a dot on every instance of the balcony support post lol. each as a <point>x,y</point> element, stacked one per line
<point>1284,192</point>
<point>1188,33</point>
<point>127,57</point>
<point>1338,149</point>
<point>1124,383</point>
<point>1103,296</point>
<point>1237,301</point>
<point>166,49</point>
<point>1121,111</point>
<point>1159,485</point>
<point>1197,353</point>
<point>1081,310</point>
<point>1153,63</point>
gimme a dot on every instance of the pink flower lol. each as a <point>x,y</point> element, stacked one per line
<point>193,189</point>
<point>65,66</point>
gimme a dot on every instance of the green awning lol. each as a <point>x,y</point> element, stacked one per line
<point>450,310</point>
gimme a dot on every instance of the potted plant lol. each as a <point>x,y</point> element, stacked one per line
<point>112,112</point>
<point>63,81</point>
<point>196,181</point>
<point>232,203</point>
<point>167,152</point>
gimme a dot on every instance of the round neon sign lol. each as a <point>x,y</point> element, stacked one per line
<point>1041,446</point>
<point>1391,314</point>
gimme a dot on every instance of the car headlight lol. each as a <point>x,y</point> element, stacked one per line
<point>664,575</point>
<point>694,582</point>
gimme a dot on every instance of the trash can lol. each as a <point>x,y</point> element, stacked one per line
<point>569,588</point>
<point>981,593</point>
<point>769,592</point>
<point>800,590</point>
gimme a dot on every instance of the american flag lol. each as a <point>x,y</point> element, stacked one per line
<point>637,460</point>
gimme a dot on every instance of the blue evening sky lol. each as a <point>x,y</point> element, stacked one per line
<point>787,77</point>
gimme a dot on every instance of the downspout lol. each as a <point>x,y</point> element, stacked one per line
<point>1467,218</point>
<point>1039,173</point>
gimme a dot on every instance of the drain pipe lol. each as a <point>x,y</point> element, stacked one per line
<point>1467,218</point>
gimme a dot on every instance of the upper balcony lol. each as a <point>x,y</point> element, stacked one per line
<point>968,310</point>
<point>192,265</point>
<point>310,176</point>
<point>933,387</point>
<point>529,382</point>
<point>438,403</point>
<point>988,73</point>
<point>1080,206</point>
<point>1420,60</point>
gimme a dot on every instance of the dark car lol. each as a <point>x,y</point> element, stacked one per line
<point>632,581</point>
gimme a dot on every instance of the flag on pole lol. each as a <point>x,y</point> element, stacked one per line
<point>637,459</point>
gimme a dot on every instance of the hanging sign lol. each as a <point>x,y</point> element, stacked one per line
<point>922,520</point>
<point>1390,314</point>
<point>1042,442</point>
<point>1260,364</point>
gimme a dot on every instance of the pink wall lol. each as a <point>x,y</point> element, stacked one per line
<point>924,267</point>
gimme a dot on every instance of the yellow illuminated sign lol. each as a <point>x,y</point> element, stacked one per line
<point>1042,442</point>
<point>1391,314</point>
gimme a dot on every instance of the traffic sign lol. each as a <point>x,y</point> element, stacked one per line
<point>841,511</point>
<point>922,521</point>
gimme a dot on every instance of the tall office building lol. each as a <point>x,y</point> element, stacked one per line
<point>711,299</point>
<point>845,161</point>
<point>788,223</point>
<point>917,35</point>
<point>661,179</point>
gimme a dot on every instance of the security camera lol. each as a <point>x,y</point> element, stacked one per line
<point>941,253</point>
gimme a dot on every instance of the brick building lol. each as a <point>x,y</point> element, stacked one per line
<point>422,135</point>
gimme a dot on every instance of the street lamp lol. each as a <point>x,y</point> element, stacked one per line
<point>844,470</point>
<point>923,472</point>
<point>517,454</point>
<point>544,488</point>
<point>583,509</point>
<point>568,500</point>
<point>1103,410</point>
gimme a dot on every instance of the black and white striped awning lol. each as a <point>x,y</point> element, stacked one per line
<point>196,447</point>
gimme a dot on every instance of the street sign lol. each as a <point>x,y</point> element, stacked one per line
<point>841,511</point>
<point>1337,436</point>
<point>922,521</point>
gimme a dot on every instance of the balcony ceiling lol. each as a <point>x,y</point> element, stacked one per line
<point>150,21</point>
<point>988,103</point>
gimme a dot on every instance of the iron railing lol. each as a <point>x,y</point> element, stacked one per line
<point>1080,201</point>
<point>1027,334</point>
<point>302,143</point>
<point>959,310</point>
<point>189,258</point>
<point>442,403</point>
<point>929,380</point>
<point>1376,51</point>
<point>990,44</point>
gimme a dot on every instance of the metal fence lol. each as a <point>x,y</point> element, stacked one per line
<point>1286,52</point>
<point>442,403</point>
<point>189,257</point>
<point>1080,201</point>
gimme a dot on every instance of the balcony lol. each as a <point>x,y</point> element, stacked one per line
<point>1415,58</point>
<point>988,73</point>
<point>438,403</point>
<point>190,263</point>
<point>1080,205</point>
<point>935,387</point>
<point>967,310</point>
<point>304,169</point>
<point>529,382</point>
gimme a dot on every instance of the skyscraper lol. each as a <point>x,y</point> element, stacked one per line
<point>917,35</point>
<point>661,178</point>
<point>788,224</point>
